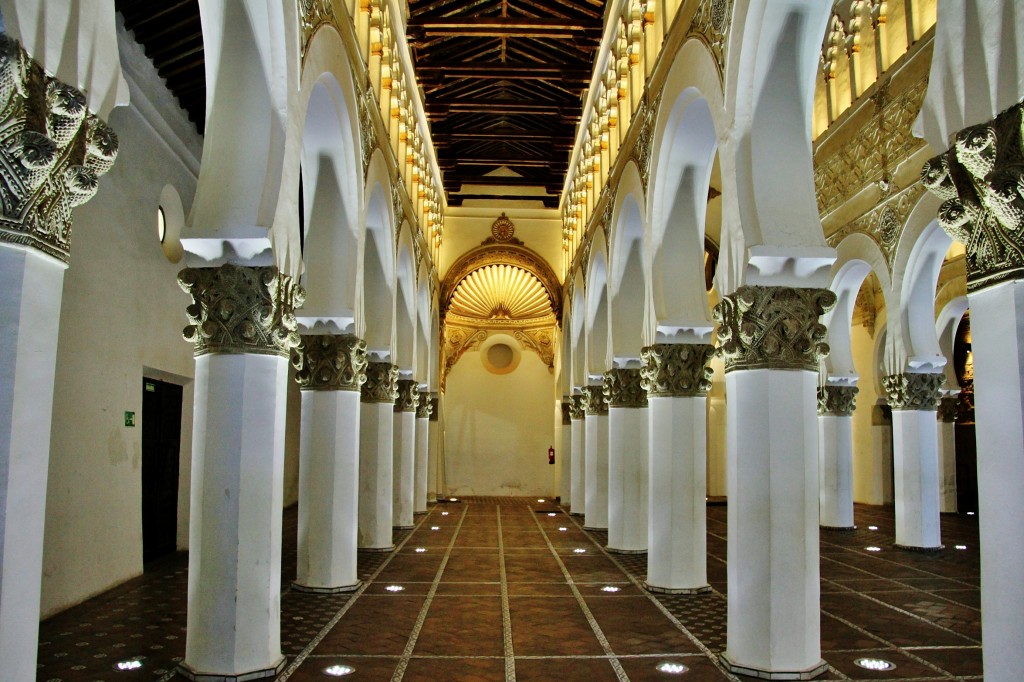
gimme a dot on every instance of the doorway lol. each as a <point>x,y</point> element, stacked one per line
<point>161,443</point>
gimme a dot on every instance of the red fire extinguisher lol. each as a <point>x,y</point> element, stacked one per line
<point>551,455</point>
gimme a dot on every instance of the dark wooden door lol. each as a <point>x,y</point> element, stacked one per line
<point>161,443</point>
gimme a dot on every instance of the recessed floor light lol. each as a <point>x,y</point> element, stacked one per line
<point>872,527</point>
<point>562,528</point>
<point>541,500</point>
<point>580,550</point>
<point>130,664</point>
<point>394,588</point>
<point>671,668</point>
<point>874,664</point>
<point>339,670</point>
<point>453,499</point>
<point>970,513</point>
<point>444,513</point>
<point>420,550</point>
<point>435,528</point>
<point>552,514</point>
<point>610,588</point>
<point>873,549</point>
<point>961,546</point>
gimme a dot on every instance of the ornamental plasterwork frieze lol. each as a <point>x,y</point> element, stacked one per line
<point>884,222</point>
<point>381,384</point>
<point>52,153</point>
<point>711,24</point>
<point>594,402</point>
<point>240,309</point>
<point>457,342</point>
<point>981,184</point>
<point>577,407</point>
<point>761,327</point>
<point>623,387</point>
<point>837,401</point>
<point>677,369</point>
<point>367,132</point>
<point>884,141</point>
<point>642,145</point>
<point>408,396</point>
<point>313,13</point>
<point>330,362</point>
<point>913,391</point>
<point>425,406</point>
<point>540,341</point>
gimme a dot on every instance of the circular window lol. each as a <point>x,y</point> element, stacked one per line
<point>500,354</point>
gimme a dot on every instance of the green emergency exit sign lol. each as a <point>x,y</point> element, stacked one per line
<point>129,419</point>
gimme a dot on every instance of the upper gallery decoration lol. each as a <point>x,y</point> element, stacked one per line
<point>503,229</point>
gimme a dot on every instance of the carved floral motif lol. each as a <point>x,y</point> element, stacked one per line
<point>313,13</point>
<point>949,408</point>
<point>577,407</point>
<point>330,362</point>
<point>837,401</point>
<point>408,396</point>
<point>239,309</point>
<point>381,383</point>
<point>425,406</point>
<point>711,24</point>
<point>623,388</point>
<point>594,401</point>
<point>913,391</point>
<point>763,327</point>
<point>677,369</point>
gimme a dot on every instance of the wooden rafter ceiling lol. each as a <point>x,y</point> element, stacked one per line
<point>503,82</point>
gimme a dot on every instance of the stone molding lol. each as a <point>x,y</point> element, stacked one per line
<point>624,388</point>
<point>981,184</point>
<point>949,408</point>
<point>577,407</point>
<point>52,153</point>
<point>408,397</point>
<point>677,369</point>
<point>330,362</point>
<point>837,401</point>
<point>913,391</point>
<point>381,383</point>
<point>771,327</point>
<point>241,309</point>
<point>424,406</point>
<point>594,402</point>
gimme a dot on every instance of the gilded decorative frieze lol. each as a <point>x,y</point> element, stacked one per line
<point>763,327</point>
<point>425,406</point>
<point>330,362</point>
<point>240,309</point>
<point>577,407</point>
<point>981,183</point>
<point>367,132</point>
<point>52,153</point>
<point>313,13</point>
<point>381,383</point>
<point>408,397</point>
<point>677,369</point>
<point>711,25</point>
<point>883,223</point>
<point>949,408</point>
<point>594,401</point>
<point>642,146</point>
<point>623,388</point>
<point>913,391</point>
<point>539,341</point>
<point>837,401</point>
<point>457,342</point>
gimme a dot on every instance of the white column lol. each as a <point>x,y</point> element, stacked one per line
<point>627,461</point>
<point>915,444</point>
<point>596,459</point>
<point>577,456</point>
<point>770,338</point>
<point>835,451</point>
<point>422,453</point>
<point>563,455</point>
<point>376,456</point>
<point>404,482</point>
<point>677,378</point>
<point>331,370</point>
<point>240,407</point>
<point>948,407</point>
<point>434,437</point>
<point>29,318</point>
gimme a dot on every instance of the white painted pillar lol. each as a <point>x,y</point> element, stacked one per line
<point>330,370</point>
<point>422,452</point>
<point>948,407</point>
<point>913,398</point>
<point>628,458</point>
<point>376,456</point>
<point>237,468</point>
<point>404,481</point>
<point>596,459</point>
<point>880,457</point>
<point>677,378</point>
<point>771,340</point>
<point>563,455</point>
<point>31,283</point>
<point>577,456</point>
<point>835,452</point>
<point>434,439</point>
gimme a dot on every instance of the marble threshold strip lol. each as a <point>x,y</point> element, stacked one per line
<point>661,607</point>
<point>410,645</point>
<point>506,614</point>
<point>620,672</point>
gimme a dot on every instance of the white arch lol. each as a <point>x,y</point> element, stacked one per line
<point>375,310</point>
<point>422,368</point>
<point>405,303</point>
<point>629,270</point>
<point>946,324</point>
<point>577,337</point>
<point>598,354</point>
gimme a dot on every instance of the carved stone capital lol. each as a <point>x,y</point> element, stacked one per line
<point>381,383</point>
<point>241,309</point>
<point>912,391</point>
<point>424,406</point>
<point>837,401</point>
<point>566,408</point>
<point>623,388</point>
<point>949,407</point>
<point>330,362</point>
<point>433,408</point>
<point>677,369</point>
<point>408,398</point>
<point>52,153</point>
<point>594,402</point>
<point>577,407</point>
<point>981,183</point>
<point>762,327</point>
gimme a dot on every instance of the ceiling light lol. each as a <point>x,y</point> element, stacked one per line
<point>394,588</point>
<point>130,664</point>
<point>874,664</point>
<point>671,668</point>
<point>873,549</point>
<point>339,670</point>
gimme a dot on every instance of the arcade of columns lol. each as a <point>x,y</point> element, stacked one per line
<point>637,413</point>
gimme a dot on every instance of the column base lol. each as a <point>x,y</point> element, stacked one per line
<point>704,589</point>
<point>840,529</point>
<point>600,529</point>
<point>410,527</point>
<point>376,549</point>
<point>808,674</point>
<point>187,671</point>
<point>572,513</point>
<point>615,550</point>
<point>309,589</point>
<point>912,548</point>
<point>419,513</point>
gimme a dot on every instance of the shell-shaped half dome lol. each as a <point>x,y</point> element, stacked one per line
<point>496,292</point>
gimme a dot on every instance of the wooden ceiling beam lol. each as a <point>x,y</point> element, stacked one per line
<point>502,27</point>
<point>456,199</point>
<point>497,107</point>
<point>428,71</point>
<point>554,140</point>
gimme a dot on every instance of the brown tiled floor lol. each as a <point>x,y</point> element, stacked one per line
<point>501,593</point>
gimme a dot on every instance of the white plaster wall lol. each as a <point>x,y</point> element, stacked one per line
<point>716,441</point>
<point>498,429</point>
<point>870,467</point>
<point>540,229</point>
